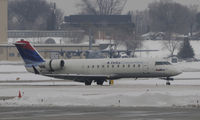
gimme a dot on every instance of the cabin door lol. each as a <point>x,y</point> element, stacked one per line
<point>145,69</point>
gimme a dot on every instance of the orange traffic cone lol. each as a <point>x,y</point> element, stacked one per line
<point>19,96</point>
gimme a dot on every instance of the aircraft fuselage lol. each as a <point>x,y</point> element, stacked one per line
<point>114,68</point>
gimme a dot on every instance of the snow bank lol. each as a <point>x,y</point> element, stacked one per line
<point>119,95</point>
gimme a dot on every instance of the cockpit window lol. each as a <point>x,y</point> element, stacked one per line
<point>163,63</point>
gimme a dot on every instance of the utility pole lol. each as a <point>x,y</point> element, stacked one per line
<point>52,19</point>
<point>3,21</point>
<point>90,38</point>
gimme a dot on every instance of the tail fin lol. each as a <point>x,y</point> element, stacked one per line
<point>28,52</point>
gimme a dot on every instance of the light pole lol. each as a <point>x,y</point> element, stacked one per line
<point>3,21</point>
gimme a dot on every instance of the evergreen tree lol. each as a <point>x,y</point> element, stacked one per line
<point>186,50</point>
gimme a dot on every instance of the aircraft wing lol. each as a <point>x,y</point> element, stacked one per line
<point>107,51</point>
<point>80,77</point>
<point>186,78</point>
<point>174,79</point>
<point>58,51</point>
<point>103,51</point>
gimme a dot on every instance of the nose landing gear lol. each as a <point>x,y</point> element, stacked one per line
<point>168,79</point>
<point>168,83</point>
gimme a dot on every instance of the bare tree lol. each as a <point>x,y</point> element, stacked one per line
<point>123,34</point>
<point>172,19</point>
<point>192,19</point>
<point>76,37</point>
<point>133,43</point>
<point>30,14</point>
<point>168,16</point>
<point>126,35</point>
<point>171,45</point>
<point>141,20</point>
<point>102,7</point>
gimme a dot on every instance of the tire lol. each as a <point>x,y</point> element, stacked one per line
<point>100,82</point>
<point>88,82</point>
<point>168,83</point>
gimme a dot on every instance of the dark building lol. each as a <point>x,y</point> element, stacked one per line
<point>98,19</point>
<point>102,26</point>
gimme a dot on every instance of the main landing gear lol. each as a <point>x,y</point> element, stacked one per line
<point>89,82</point>
<point>100,82</point>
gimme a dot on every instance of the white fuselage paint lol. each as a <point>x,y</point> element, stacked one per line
<point>120,68</point>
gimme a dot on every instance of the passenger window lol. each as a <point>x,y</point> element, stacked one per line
<point>113,66</point>
<point>134,65</point>
<point>103,66</point>
<point>107,66</point>
<point>128,66</point>
<point>123,66</point>
<point>88,66</point>
<point>93,66</point>
<point>139,65</point>
<point>97,66</point>
<point>118,66</point>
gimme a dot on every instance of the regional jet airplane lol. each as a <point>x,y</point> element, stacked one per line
<point>97,70</point>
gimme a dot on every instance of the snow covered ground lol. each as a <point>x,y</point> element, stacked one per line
<point>125,95</point>
<point>125,92</point>
<point>163,52</point>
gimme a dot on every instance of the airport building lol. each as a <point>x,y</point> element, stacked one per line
<point>77,25</point>
<point>48,48</point>
<point>100,26</point>
<point>48,51</point>
<point>8,52</point>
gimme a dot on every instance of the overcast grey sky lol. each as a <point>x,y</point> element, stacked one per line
<point>69,6</point>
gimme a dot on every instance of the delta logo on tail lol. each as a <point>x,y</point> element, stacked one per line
<point>28,53</point>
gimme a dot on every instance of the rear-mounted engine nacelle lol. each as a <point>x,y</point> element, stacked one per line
<point>53,65</point>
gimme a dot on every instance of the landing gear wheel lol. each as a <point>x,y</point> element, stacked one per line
<point>168,83</point>
<point>88,82</point>
<point>100,82</point>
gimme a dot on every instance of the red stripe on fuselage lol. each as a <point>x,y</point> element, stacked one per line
<point>25,45</point>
